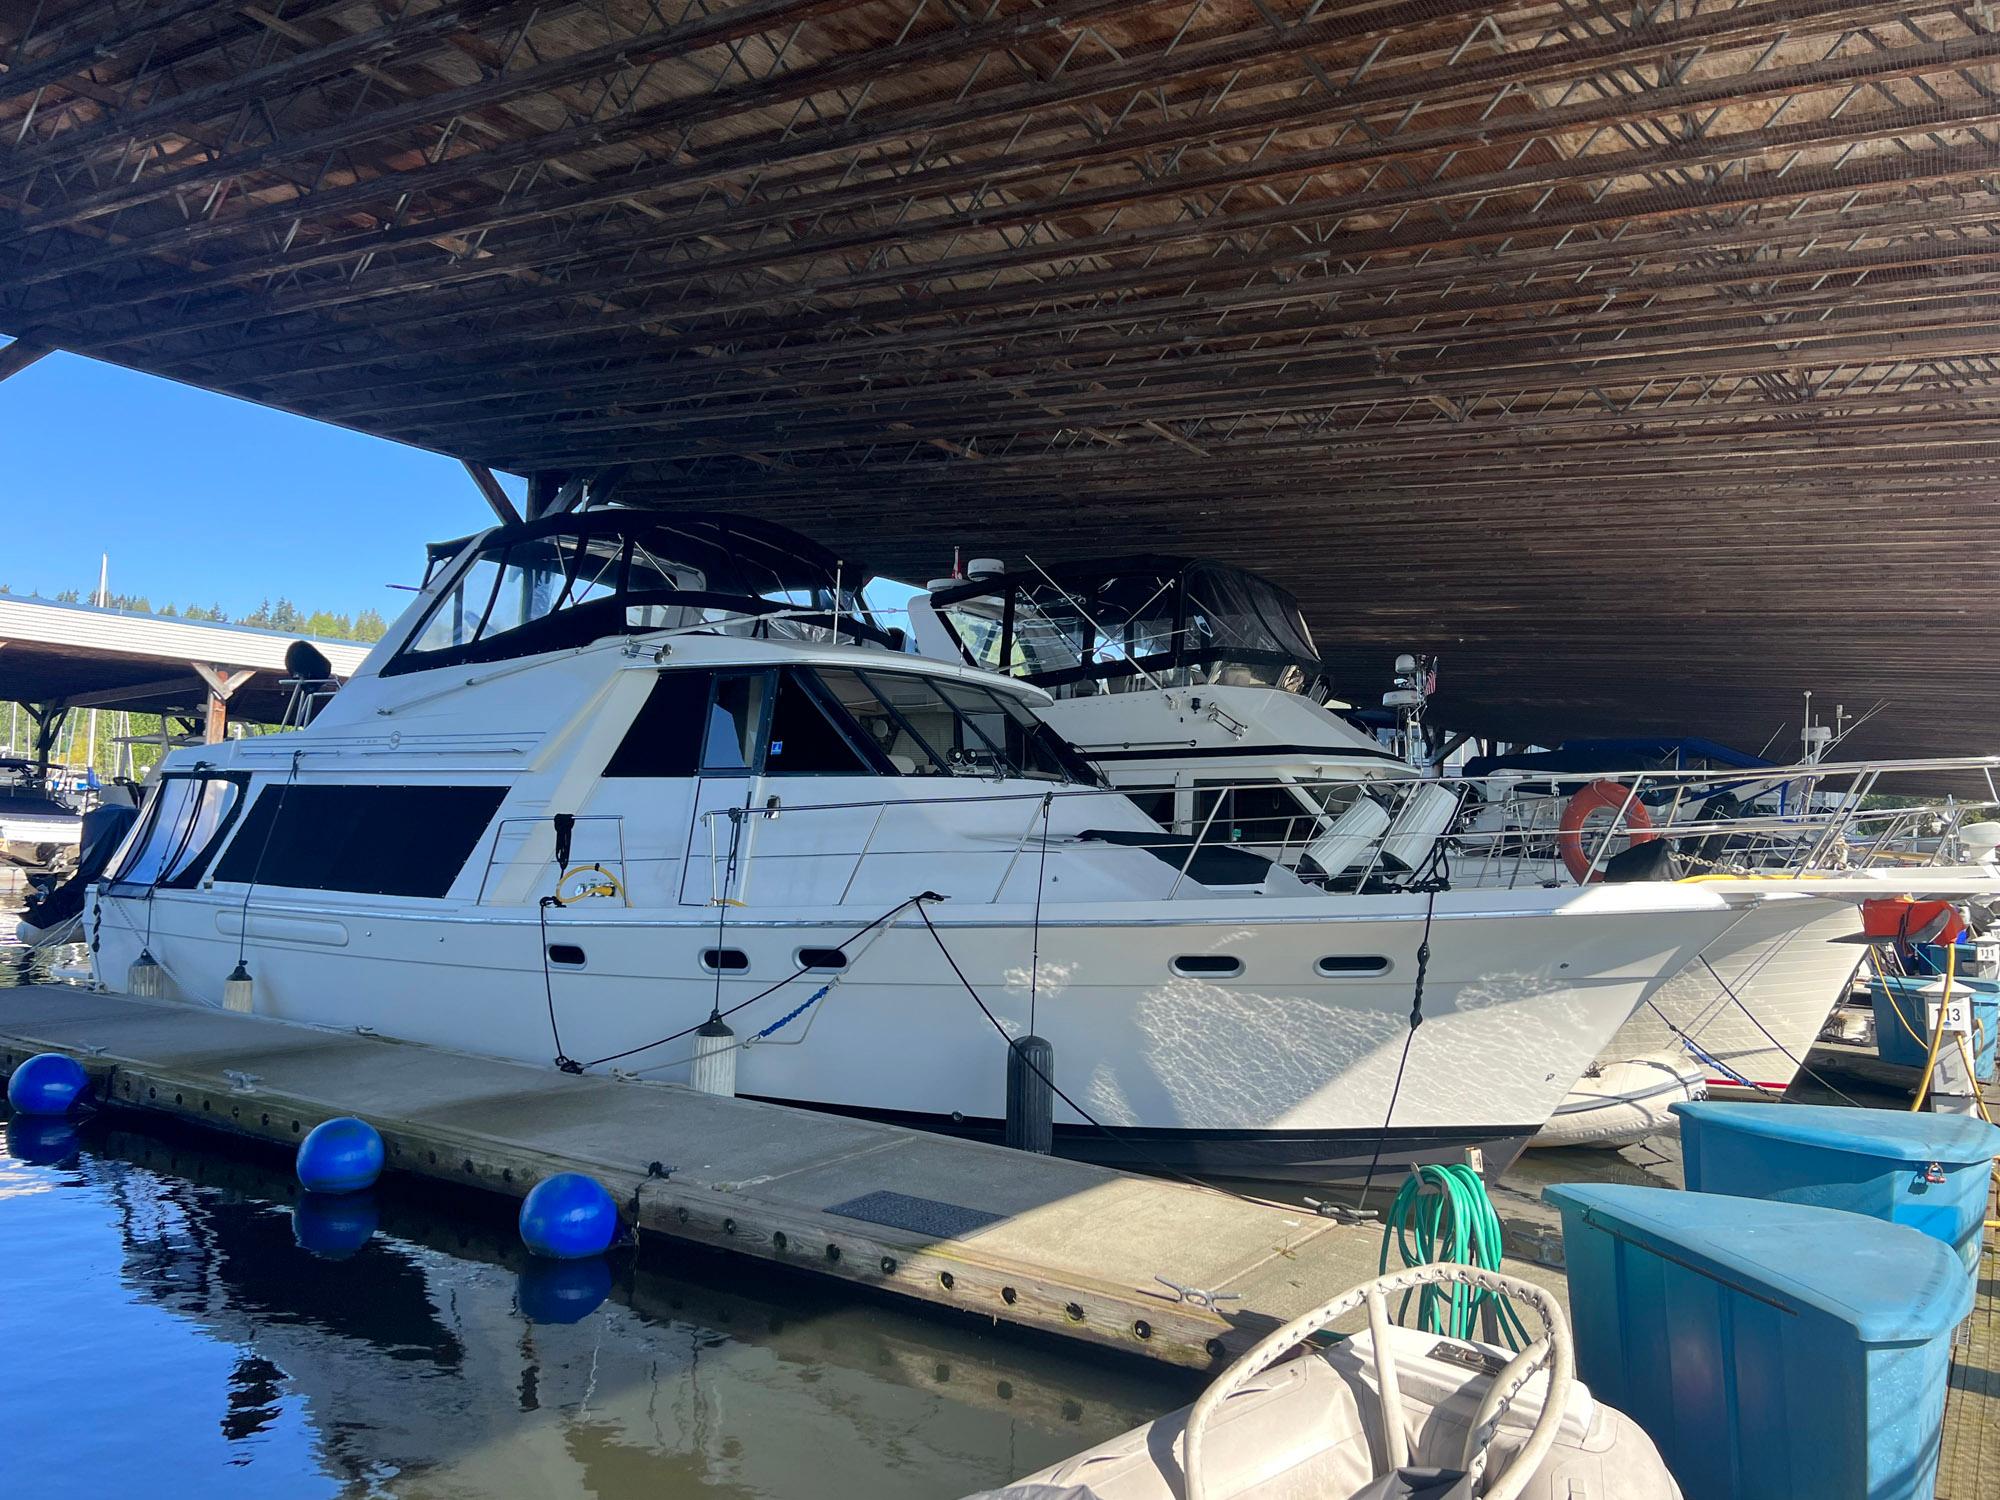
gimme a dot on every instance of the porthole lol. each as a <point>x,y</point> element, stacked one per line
<point>1208,966</point>
<point>1352,966</point>
<point>565,953</point>
<point>822,960</point>
<point>724,960</point>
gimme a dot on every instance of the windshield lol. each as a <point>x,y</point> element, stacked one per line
<point>927,727</point>
<point>570,580</point>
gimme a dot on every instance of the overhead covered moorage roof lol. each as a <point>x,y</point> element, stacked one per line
<point>1638,358</point>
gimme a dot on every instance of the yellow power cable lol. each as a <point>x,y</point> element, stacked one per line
<point>1937,1030</point>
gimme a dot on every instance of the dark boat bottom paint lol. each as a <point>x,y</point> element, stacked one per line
<point>1325,1158</point>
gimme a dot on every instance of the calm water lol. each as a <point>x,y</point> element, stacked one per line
<point>166,1330</point>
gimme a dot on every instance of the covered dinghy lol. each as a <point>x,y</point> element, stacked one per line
<point>1436,1419</point>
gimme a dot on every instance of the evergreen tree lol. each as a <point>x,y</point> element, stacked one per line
<point>260,616</point>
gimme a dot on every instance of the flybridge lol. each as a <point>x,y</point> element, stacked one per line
<point>567,580</point>
<point>1146,621</point>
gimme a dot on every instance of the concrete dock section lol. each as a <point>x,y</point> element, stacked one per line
<point>1078,1250</point>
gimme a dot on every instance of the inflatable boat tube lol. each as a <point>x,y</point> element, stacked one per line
<point>1621,1103</point>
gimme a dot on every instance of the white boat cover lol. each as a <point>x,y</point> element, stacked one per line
<point>1310,1429</point>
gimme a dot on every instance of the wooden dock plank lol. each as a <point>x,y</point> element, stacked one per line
<point>1070,1248</point>
<point>1969,1466</point>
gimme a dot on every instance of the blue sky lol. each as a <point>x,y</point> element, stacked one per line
<point>202,499</point>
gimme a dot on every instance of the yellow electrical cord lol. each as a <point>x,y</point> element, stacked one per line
<point>607,884</point>
<point>1937,1030</point>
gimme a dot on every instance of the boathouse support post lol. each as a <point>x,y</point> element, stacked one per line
<point>48,720</point>
<point>552,492</point>
<point>222,687</point>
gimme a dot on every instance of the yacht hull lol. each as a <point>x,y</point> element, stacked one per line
<point>1755,1000</point>
<point>1337,1157</point>
<point>1275,1071</point>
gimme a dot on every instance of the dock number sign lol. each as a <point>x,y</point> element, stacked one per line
<point>1957,1015</point>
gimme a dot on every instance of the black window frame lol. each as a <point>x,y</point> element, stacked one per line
<point>838,719</point>
<point>196,863</point>
<point>760,732</point>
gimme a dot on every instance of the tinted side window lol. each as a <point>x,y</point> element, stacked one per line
<point>1251,814</point>
<point>385,840</point>
<point>804,741</point>
<point>665,738</point>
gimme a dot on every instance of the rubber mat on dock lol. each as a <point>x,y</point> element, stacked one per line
<point>926,1216</point>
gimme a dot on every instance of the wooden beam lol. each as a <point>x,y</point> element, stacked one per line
<point>19,354</point>
<point>222,687</point>
<point>489,486</point>
<point>140,692</point>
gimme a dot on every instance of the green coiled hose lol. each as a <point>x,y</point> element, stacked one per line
<point>1456,1222</point>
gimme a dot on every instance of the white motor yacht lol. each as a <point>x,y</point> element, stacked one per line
<point>620,777</point>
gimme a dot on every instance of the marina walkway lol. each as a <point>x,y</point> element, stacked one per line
<point>1073,1249</point>
<point>1969,1468</point>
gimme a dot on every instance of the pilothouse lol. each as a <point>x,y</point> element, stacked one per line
<point>625,785</point>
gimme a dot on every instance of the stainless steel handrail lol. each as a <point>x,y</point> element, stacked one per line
<point>1820,825</point>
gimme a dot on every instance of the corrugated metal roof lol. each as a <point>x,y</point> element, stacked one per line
<point>1641,360</point>
<point>124,633</point>
<point>51,652</point>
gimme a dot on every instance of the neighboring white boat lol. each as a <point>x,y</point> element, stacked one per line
<point>53,914</point>
<point>1752,1006</point>
<point>1180,679</point>
<point>39,828</point>
<point>1197,688</point>
<point>616,772</point>
<point>1390,1412</point>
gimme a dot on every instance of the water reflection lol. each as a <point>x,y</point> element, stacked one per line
<point>197,1336</point>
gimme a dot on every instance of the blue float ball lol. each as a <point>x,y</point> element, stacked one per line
<point>340,1156</point>
<point>47,1084</point>
<point>562,1291</point>
<point>568,1216</point>
<point>42,1142</point>
<point>333,1226</point>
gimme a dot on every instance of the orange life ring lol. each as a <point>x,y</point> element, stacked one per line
<point>1600,796</point>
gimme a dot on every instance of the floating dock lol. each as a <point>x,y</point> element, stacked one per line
<point>1969,1466</point>
<point>1069,1248</point>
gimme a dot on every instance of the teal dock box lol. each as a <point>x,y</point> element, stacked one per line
<point>1930,1172</point>
<point>1903,1019</point>
<point>1772,1351</point>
